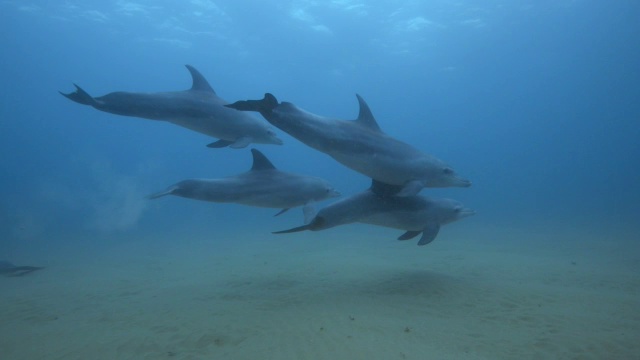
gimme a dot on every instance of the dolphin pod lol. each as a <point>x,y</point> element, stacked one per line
<point>399,171</point>
<point>199,109</point>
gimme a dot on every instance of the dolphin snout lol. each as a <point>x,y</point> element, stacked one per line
<point>462,182</point>
<point>466,212</point>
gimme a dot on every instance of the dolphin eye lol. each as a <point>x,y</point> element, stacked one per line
<point>447,171</point>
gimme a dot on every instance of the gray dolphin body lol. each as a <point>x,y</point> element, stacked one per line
<point>262,186</point>
<point>359,145</point>
<point>9,269</point>
<point>414,214</point>
<point>198,109</point>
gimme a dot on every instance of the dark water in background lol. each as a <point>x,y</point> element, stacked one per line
<point>537,102</point>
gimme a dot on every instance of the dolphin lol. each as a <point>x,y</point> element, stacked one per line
<point>359,145</point>
<point>379,206</point>
<point>262,186</point>
<point>9,269</point>
<point>199,109</point>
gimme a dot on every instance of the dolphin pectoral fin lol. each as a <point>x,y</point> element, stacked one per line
<point>282,211</point>
<point>169,191</point>
<point>80,96</point>
<point>429,234</point>
<point>411,188</point>
<point>220,144</point>
<point>409,235</point>
<point>241,142</point>
<point>309,211</point>
<point>295,229</point>
<point>264,106</point>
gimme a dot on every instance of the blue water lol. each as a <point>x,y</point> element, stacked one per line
<point>537,102</point>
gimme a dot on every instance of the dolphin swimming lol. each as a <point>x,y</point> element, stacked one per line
<point>359,145</point>
<point>199,109</point>
<point>9,269</point>
<point>263,186</point>
<point>378,206</point>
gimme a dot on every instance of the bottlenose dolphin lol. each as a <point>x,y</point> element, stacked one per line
<point>198,109</point>
<point>359,145</point>
<point>378,206</point>
<point>9,269</point>
<point>262,186</point>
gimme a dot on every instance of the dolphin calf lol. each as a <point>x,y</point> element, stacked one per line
<point>262,186</point>
<point>198,109</point>
<point>9,269</point>
<point>359,145</point>
<point>378,206</point>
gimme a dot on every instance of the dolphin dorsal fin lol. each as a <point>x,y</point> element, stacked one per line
<point>365,117</point>
<point>199,82</point>
<point>260,162</point>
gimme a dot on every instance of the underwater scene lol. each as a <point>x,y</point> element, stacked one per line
<point>340,179</point>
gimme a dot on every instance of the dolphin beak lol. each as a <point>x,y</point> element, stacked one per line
<point>277,141</point>
<point>462,182</point>
<point>466,212</point>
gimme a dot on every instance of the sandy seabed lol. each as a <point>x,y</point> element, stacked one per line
<point>351,293</point>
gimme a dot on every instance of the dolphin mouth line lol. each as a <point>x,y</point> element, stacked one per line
<point>467,212</point>
<point>464,182</point>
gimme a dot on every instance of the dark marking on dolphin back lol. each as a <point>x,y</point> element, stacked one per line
<point>384,190</point>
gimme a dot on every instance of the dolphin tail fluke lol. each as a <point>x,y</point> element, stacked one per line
<point>268,103</point>
<point>80,96</point>
<point>169,191</point>
<point>295,229</point>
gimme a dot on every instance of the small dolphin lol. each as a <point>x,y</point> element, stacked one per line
<point>198,109</point>
<point>359,145</point>
<point>9,269</point>
<point>262,186</point>
<point>378,206</point>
